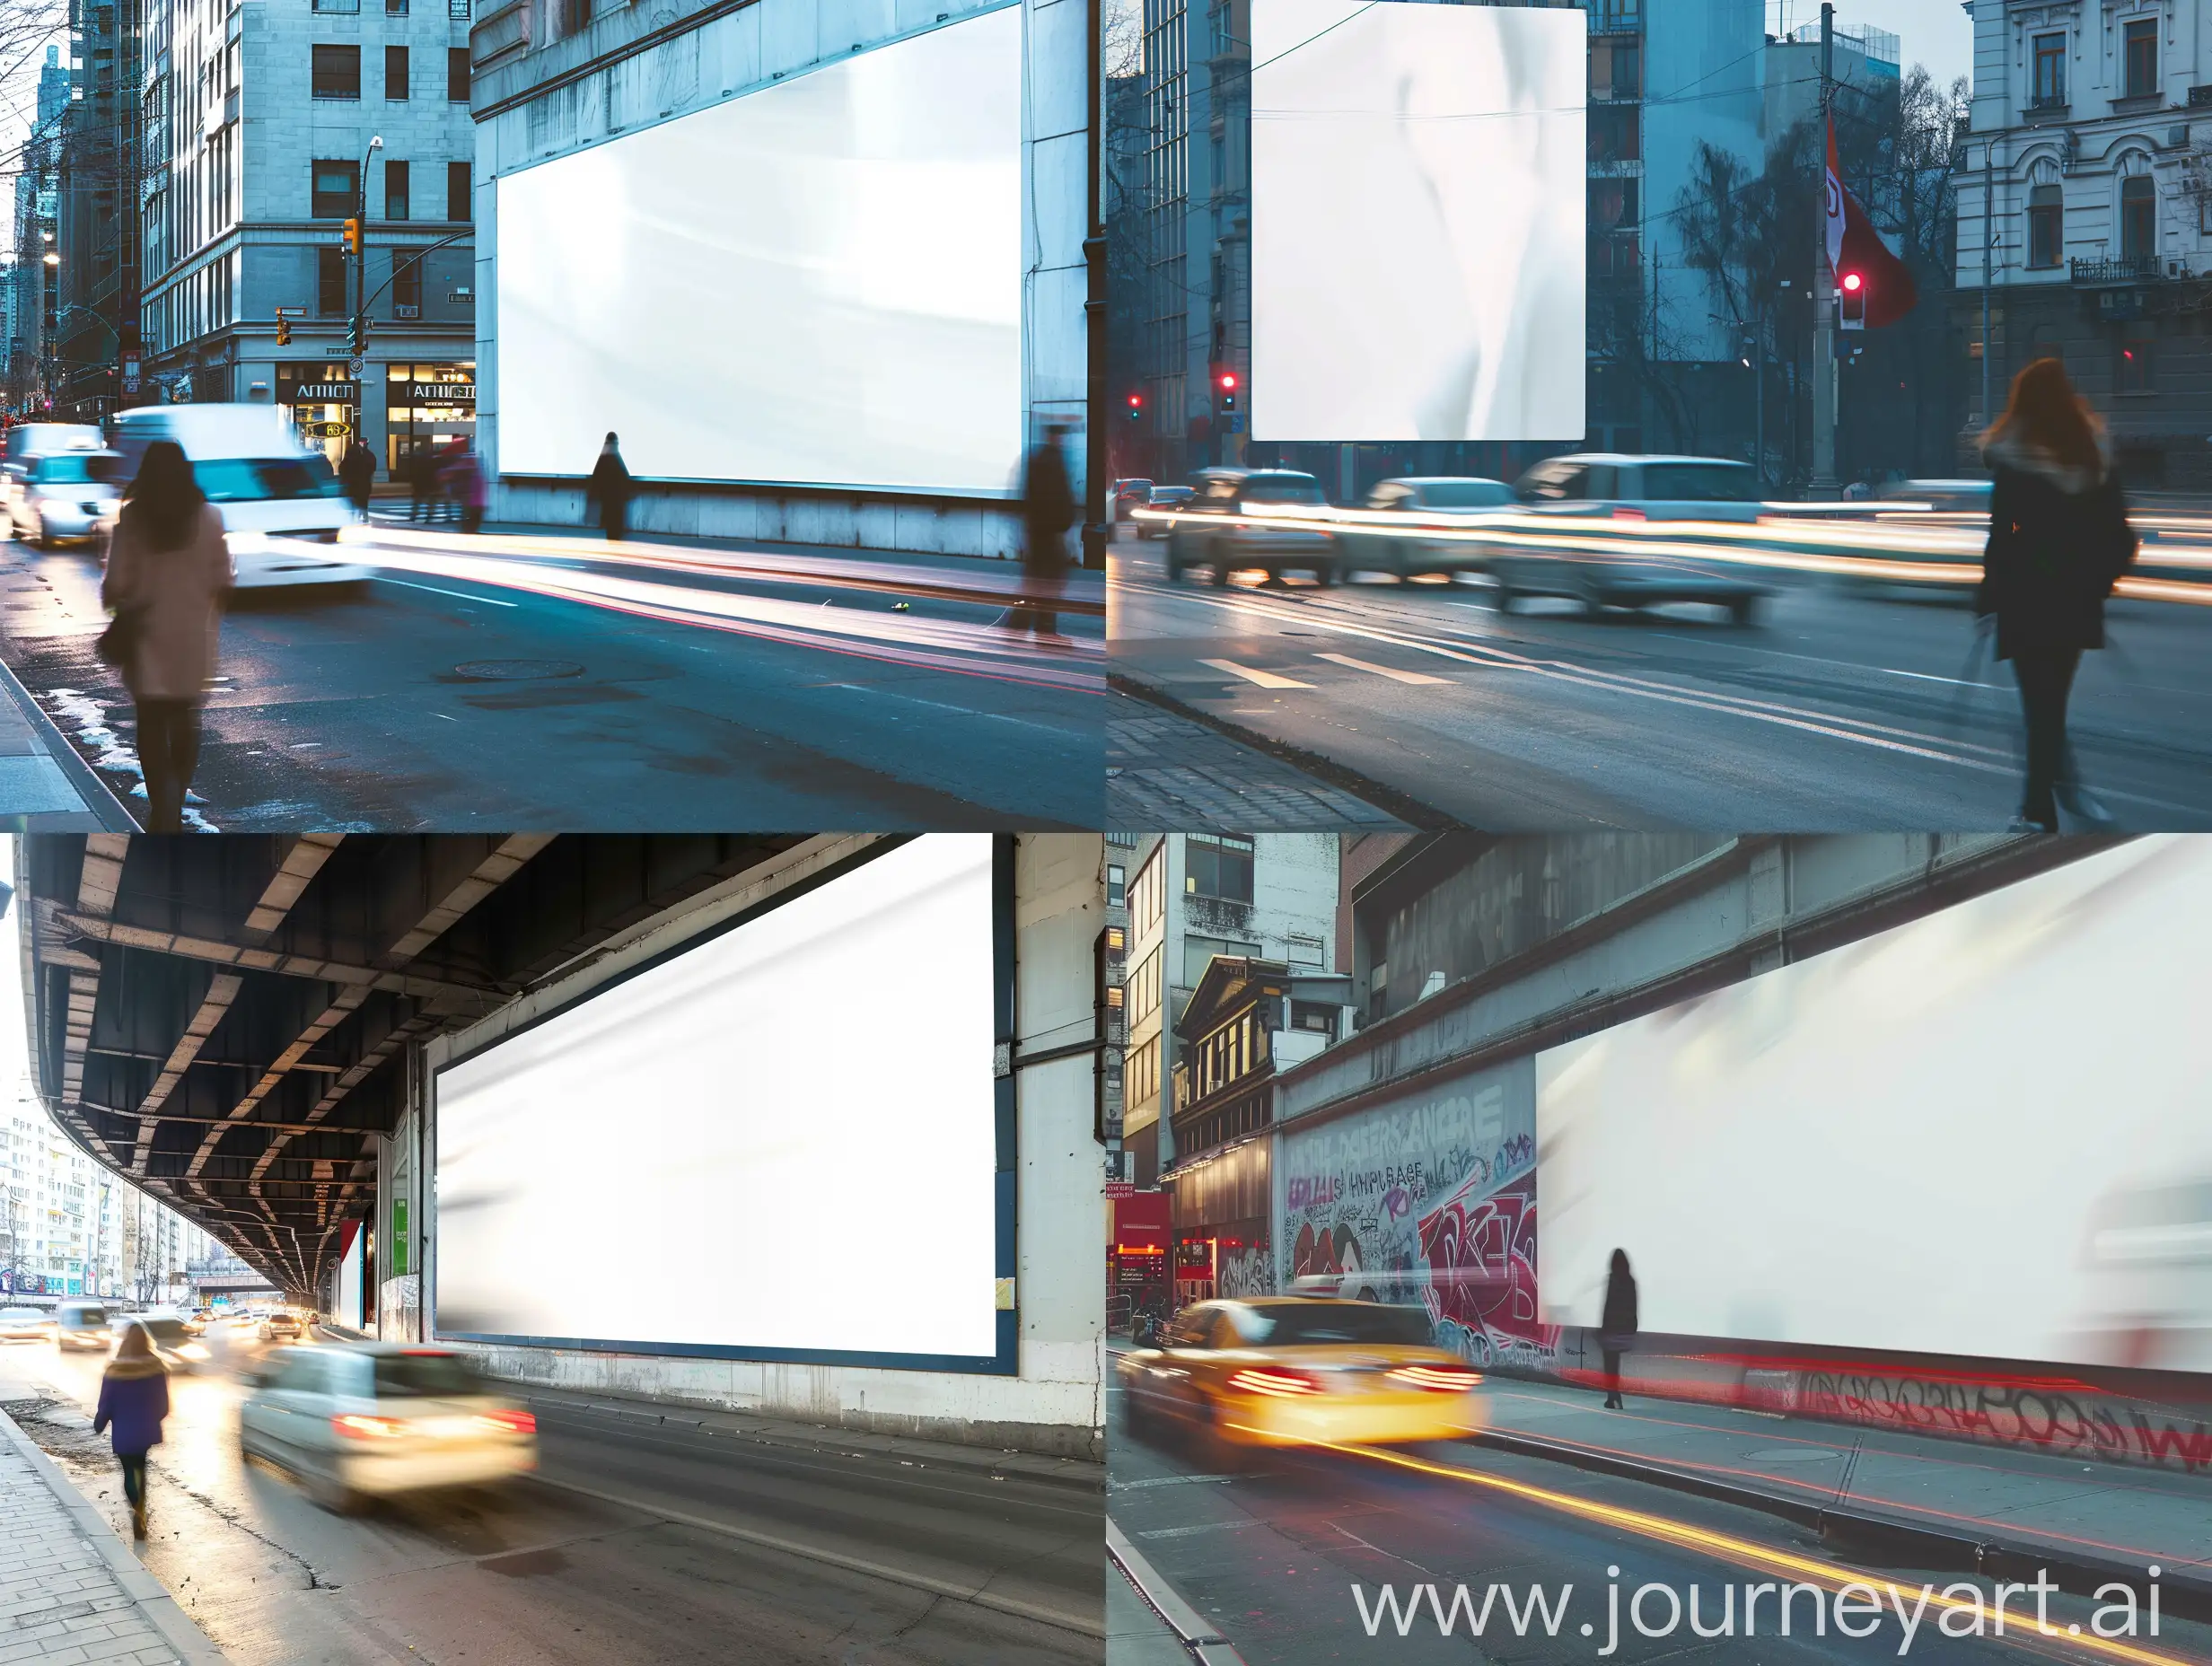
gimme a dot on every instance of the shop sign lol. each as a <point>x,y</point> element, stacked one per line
<point>441,393</point>
<point>319,393</point>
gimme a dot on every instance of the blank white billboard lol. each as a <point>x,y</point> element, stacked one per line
<point>818,283</point>
<point>779,1142</point>
<point>1417,210</point>
<point>1983,1133</point>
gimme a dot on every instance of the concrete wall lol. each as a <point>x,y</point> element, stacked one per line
<point>1053,1404</point>
<point>601,83</point>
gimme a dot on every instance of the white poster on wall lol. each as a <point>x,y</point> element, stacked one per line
<point>817,283</point>
<point>1418,204</point>
<point>1983,1133</point>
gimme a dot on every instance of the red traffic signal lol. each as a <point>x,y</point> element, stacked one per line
<point>1137,406</point>
<point>1228,381</point>
<point>1853,287</point>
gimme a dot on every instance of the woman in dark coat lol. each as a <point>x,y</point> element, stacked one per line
<point>2059,542</point>
<point>1617,1325</point>
<point>134,1400</point>
<point>609,488</point>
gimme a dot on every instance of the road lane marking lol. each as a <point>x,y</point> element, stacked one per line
<point>1266,679</point>
<point>1414,678</point>
<point>462,594</point>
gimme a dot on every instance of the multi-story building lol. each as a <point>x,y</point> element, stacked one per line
<point>2085,192</point>
<point>68,1228</point>
<point>268,127</point>
<point>96,345</point>
<point>37,304</point>
<point>1191,897</point>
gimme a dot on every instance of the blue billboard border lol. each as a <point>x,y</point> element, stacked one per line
<point>1006,1361</point>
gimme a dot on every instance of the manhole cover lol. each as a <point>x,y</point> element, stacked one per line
<point>515,671</point>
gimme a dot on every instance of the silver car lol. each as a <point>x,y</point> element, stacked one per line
<point>1464,499</point>
<point>25,1324</point>
<point>360,1420</point>
<point>65,498</point>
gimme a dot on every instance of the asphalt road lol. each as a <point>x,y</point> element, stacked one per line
<point>1843,711</point>
<point>544,1572</point>
<point>1288,1560</point>
<point>515,680</point>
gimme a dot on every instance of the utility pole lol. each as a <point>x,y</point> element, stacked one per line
<point>1989,243</point>
<point>1095,464</point>
<point>1824,483</point>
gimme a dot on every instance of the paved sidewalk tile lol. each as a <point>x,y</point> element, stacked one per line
<point>1166,771</point>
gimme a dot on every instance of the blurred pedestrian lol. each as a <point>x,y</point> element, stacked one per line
<point>421,483</point>
<point>609,490</point>
<point>133,1401</point>
<point>1617,1325</point>
<point>168,568</point>
<point>356,472</point>
<point>2059,542</point>
<point>1047,511</point>
<point>468,486</point>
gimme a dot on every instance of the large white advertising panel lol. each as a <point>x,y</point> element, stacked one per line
<point>778,1142</point>
<point>818,283</point>
<point>1984,1133</point>
<point>1417,211</point>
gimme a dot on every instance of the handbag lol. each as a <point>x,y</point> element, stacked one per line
<point>119,643</point>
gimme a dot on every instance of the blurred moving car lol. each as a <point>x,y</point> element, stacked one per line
<point>1407,554</point>
<point>176,1347</point>
<point>1290,1371</point>
<point>27,442</point>
<point>1163,497</point>
<point>83,1325</point>
<point>1585,567</point>
<point>25,1324</point>
<point>1128,495</point>
<point>281,1327</point>
<point>370,1419</point>
<point>64,496</point>
<point>198,1320</point>
<point>267,485</point>
<point>1938,496</point>
<point>1226,542</point>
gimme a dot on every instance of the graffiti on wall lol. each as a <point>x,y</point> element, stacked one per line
<point>2065,1420</point>
<point>1246,1272</point>
<point>1430,1202</point>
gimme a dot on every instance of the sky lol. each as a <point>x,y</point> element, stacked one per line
<point>1936,32</point>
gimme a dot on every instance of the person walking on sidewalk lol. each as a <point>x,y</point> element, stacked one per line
<point>609,489</point>
<point>134,1400</point>
<point>1047,511</point>
<point>2059,542</point>
<point>468,481</point>
<point>1617,1325</point>
<point>356,472</point>
<point>168,570</point>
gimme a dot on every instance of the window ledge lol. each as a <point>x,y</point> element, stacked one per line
<point>2140,104</point>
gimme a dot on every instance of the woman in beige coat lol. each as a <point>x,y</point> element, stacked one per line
<point>168,568</point>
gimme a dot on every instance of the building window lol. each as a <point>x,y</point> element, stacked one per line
<point>1149,895</point>
<point>456,74</point>
<point>2142,49</point>
<point>1144,987</point>
<point>1142,1078</point>
<point>2138,217</point>
<point>1614,204</point>
<point>395,8</point>
<point>395,74</point>
<point>2050,83</point>
<point>330,282</point>
<point>2137,358</point>
<point>337,71</point>
<point>460,192</point>
<point>395,190</point>
<point>1614,133</point>
<point>1116,885</point>
<point>576,16</point>
<point>1218,865</point>
<point>2046,226</point>
<point>406,284</point>
<point>337,189</point>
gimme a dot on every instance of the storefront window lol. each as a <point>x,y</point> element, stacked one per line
<point>428,407</point>
<point>323,399</point>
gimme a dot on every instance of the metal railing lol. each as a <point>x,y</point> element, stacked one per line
<point>2118,269</point>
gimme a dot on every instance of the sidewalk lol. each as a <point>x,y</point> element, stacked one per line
<point>1148,1621</point>
<point>1164,769</point>
<point>45,787</point>
<point>71,1592</point>
<point>1998,1509</point>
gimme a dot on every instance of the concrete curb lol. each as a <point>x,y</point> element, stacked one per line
<point>112,813</point>
<point>1082,1625</point>
<point>147,1594</point>
<point>1206,1646</point>
<point>2183,1595</point>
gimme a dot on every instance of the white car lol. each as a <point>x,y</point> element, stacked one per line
<point>25,1324</point>
<point>1464,500</point>
<point>27,442</point>
<point>282,506</point>
<point>64,497</point>
<point>362,1420</point>
<point>173,1341</point>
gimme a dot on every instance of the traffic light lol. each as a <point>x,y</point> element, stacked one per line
<point>353,235</point>
<point>1226,382</point>
<point>283,330</point>
<point>1852,288</point>
<point>1136,407</point>
<point>357,338</point>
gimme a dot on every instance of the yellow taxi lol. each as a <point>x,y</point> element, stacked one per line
<point>1295,1371</point>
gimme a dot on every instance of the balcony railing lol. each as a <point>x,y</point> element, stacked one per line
<point>2119,269</point>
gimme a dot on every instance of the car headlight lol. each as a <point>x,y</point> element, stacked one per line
<point>192,1350</point>
<point>247,543</point>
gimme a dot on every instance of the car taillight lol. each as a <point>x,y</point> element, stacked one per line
<point>355,1426</point>
<point>1623,513</point>
<point>511,1422</point>
<point>1278,1384</point>
<point>1444,1379</point>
